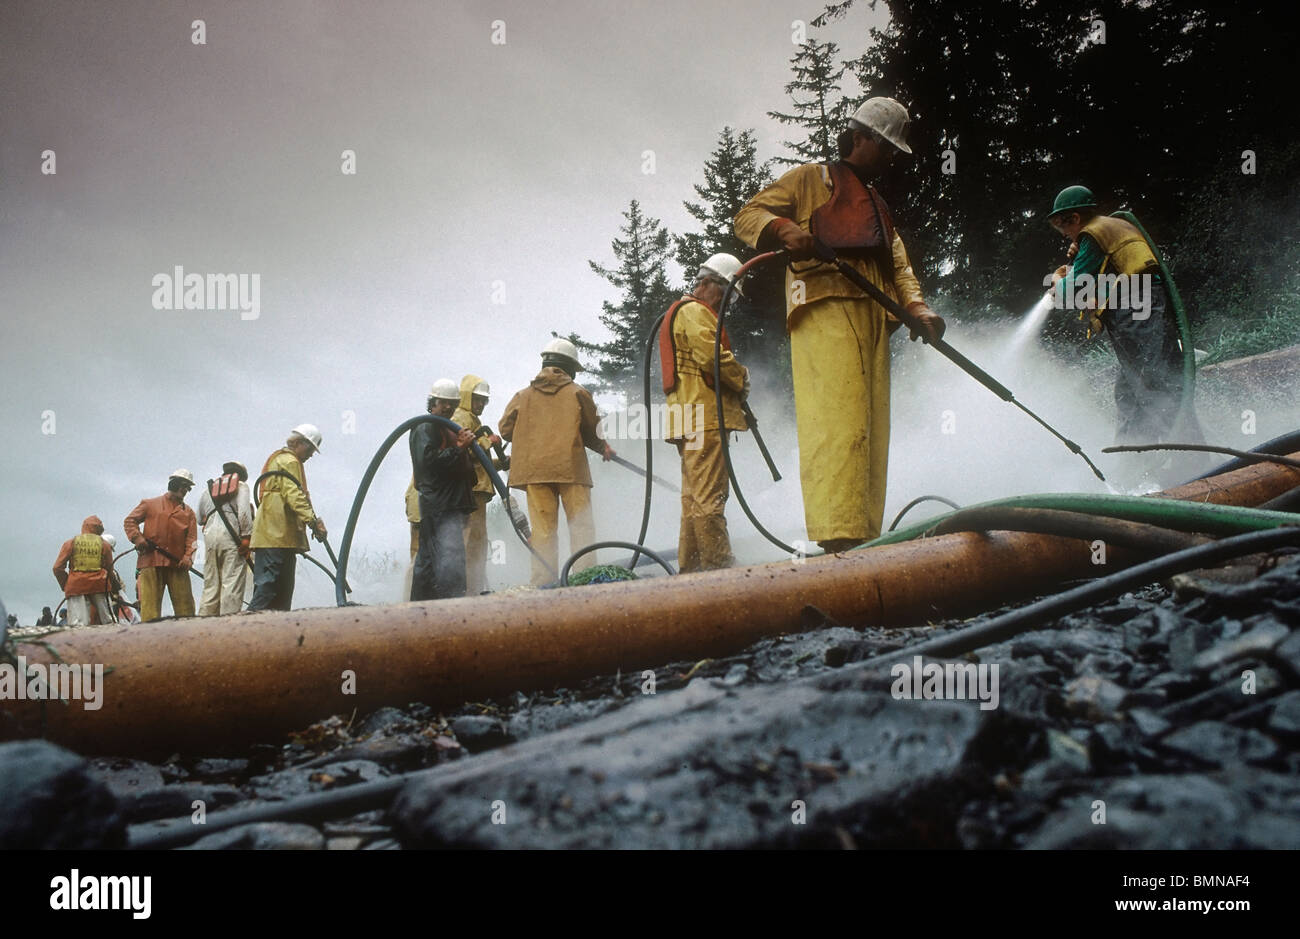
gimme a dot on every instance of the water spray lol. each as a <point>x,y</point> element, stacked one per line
<point>824,253</point>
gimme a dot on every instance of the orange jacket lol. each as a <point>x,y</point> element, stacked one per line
<point>83,583</point>
<point>167,523</point>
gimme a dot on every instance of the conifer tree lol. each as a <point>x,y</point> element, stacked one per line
<point>819,107</point>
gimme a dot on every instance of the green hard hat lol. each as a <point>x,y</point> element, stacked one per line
<point>1072,198</point>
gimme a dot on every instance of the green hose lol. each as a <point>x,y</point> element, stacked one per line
<point>1180,314</point>
<point>1166,513</point>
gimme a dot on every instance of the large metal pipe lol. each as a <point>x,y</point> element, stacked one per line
<point>205,685</point>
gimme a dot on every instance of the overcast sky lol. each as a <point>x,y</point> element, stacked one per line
<point>487,175</point>
<point>480,166</point>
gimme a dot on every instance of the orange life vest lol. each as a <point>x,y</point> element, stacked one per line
<point>856,220</point>
<point>668,345</point>
<point>223,488</point>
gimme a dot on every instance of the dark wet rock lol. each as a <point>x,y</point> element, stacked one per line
<point>1241,809</point>
<point>1287,654</point>
<point>478,732</point>
<point>300,780</point>
<point>1148,723</point>
<point>221,770</point>
<point>1094,698</point>
<point>344,843</point>
<point>1220,744</point>
<point>686,769</point>
<point>176,801</point>
<point>1066,758</point>
<point>386,720</point>
<point>548,718</point>
<point>1176,685</point>
<point>1225,697</point>
<point>399,752</point>
<point>50,799</point>
<point>736,675</point>
<point>384,844</point>
<point>1190,642</point>
<point>126,777</point>
<point>1258,641</point>
<point>1285,717</point>
<point>263,836</point>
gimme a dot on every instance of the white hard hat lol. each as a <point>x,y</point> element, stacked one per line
<point>886,117</point>
<point>446,389</point>
<point>111,541</point>
<point>182,474</point>
<point>310,432</point>
<point>482,389</point>
<point>723,266</point>
<point>562,347</point>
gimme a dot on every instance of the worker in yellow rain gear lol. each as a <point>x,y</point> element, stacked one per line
<point>280,530</point>
<point>474,396</point>
<point>686,345</point>
<point>839,339</point>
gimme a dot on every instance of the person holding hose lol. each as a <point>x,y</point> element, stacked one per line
<point>444,478</point>
<point>839,338</point>
<point>280,529</point>
<point>686,344</point>
<point>166,546</point>
<point>549,423</point>
<point>1139,319</point>
<point>474,395</point>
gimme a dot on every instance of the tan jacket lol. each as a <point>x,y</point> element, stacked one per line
<point>548,424</point>
<point>286,510</point>
<point>795,196</point>
<point>692,406</point>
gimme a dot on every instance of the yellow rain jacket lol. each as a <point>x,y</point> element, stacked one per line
<point>839,355</point>
<point>692,405</point>
<point>466,418</point>
<point>795,196</point>
<point>286,510</point>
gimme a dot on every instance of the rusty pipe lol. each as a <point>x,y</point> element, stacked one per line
<point>213,684</point>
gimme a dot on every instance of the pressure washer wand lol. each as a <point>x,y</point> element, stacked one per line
<point>966,365</point>
<point>758,439</point>
<point>640,472</point>
<point>171,557</point>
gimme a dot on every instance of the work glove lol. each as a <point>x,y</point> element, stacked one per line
<point>608,453</point>
<point>244,550</point>
<point>318,528</point>
<point>141,543</point>
<point>464,439</point>
<point>503,463</point>
<point>186,564</point>
<point>931,323</point>
<point>798,243</point>
<point>1071,251</point>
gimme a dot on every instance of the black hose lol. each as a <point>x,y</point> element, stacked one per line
<point>333,575</point>
<point>1278,446</point>
<point>1028,617</point>
<point>639,548</point>
<point>1145,537</point>
<point>757,260</point>
<point>1245,456</point>
<point>346,547</point>
<point>650,344</point>
<point>917,501</point>
<point>1288,501</point>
